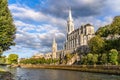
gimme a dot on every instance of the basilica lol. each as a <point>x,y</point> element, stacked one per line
<point>75,38</point>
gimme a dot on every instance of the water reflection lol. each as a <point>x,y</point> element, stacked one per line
<point>47,74</point>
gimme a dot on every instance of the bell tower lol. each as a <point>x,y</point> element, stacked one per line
<point>54,49</point>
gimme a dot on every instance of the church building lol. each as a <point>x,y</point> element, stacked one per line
<point>77,38</point>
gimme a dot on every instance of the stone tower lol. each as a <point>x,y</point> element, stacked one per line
<point>70,24</point>
<point>54,49</point>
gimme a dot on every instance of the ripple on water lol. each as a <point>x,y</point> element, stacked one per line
<point>47,74</point>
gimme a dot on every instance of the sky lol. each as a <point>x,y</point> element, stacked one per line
<point>39,21</point>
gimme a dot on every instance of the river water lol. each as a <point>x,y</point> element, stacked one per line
<point>49,74</point>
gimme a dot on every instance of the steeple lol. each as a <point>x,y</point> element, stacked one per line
<point>70,24</point>
<point>54,48</point>
<point>70,15</point>
<point>54,41</point>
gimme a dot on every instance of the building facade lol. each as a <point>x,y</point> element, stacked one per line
<point>76,38</point>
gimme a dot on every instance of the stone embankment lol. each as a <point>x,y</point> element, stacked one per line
<point>84,68</point>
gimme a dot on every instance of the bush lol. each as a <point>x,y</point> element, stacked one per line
<point>113,56</point>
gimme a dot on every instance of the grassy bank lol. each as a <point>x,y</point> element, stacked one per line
<point>84,68</point>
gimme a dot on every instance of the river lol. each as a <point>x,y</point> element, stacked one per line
<point>49,74</point>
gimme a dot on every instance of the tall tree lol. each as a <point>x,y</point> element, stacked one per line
<point>103,31</point>
<point>96,44</point>
<point>113,56</point>
<point>95,58</point>
<point>115,26</point>
<point>89,58</point>
<point>12,58</point>
<point>104,58</point>
<point>7,28</point>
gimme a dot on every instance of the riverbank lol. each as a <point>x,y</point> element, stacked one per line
<point>115,70</point>
<point>4,75</point>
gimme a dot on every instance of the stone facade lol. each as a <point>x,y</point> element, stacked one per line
<point>41,55</point>
<point>47,55</point>
<point>78,37</point>
<point>38,55</point>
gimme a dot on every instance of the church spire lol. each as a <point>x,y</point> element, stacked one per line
<point>70,24</point>
<point>70,15</point>
<point>54,48</point>
<point>54,41</point>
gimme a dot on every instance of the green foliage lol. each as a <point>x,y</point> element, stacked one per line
<point>105,48</point>
<point>1,51</point>
<point>2,60</point>
<point>96,44</point>
<point>112,44</point>
<point>68,56</point>
<point>12,58</point>
<point>39,61</point>
<point>113,28</point>
<point>119,58</point>
<point>103,31</point>
<point>95,58</point>
<point>83,60</point>
<point>7,28</point>
<point>113,56</point>
<point>89,58</point>
<point>104,58</point>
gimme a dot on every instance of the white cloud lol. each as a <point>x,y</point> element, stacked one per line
<point>39,40</point>
<point>26,13</point>
<point>94,21</point>
<point>113,5</point>
<point>36,29</point>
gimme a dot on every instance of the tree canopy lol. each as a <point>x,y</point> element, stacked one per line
<point>96,44</point>
<point>113,56</point>
<point>7,28</point>
<point>12,58</point>
<point>113,28</point>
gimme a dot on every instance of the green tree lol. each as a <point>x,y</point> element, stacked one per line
<point>1,51</point>
<point>104,58</point>
<point>115,26</point>
<point>119,58</point>
<point>12,58</point>
<point>96,44</point>
<point>89,58</point>
<point>112,44</point>
<point>113,56</point>
<point>7,28</point>
<point>95,58</point>
<point>103,31</point>
<point>2,59</point>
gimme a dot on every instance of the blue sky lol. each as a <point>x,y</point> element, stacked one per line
<point>38,21</point>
